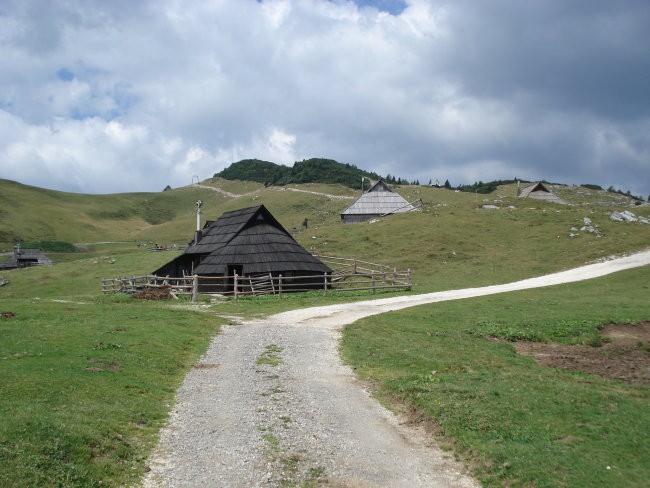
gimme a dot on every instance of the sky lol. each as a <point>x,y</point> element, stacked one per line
<point>125,95</point>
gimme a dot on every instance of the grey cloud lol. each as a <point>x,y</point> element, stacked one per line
<point>440,89</point>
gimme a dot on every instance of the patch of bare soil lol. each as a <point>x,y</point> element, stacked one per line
<point>7,315</point>
<point>625,358</point>
<point>154,293</point>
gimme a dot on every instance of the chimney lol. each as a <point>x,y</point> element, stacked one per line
<point>199,234</point>
<point>199,204</point>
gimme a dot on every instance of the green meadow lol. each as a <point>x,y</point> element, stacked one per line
<point>515,423</point>
<point>88,380</point>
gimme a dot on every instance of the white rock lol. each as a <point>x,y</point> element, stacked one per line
<point>625,216</point>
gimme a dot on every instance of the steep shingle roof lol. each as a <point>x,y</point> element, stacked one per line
<point>379,200</point>
<point>540,192</point>
<point>252,238</point>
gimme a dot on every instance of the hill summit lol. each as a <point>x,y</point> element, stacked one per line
<point>315,170</point>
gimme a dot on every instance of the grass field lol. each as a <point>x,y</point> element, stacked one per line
<point>87,384</point>
<point>90,379</point>
<point>87,381</point>
<point>516,423</point>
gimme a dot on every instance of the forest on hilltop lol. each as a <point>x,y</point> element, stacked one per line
<point>315,170</point>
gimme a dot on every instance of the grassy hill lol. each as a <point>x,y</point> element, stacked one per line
<point>451,242</point>
<point>315,170</point>
<point>88,380</point>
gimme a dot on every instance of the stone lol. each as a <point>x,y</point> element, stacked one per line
<point>625,216</point>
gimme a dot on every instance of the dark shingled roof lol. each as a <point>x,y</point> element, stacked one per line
<point>252,238</point>
<point>23,258</point>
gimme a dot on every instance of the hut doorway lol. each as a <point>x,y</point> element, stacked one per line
<point>234,269</point>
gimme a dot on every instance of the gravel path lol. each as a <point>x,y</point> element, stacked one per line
<point>271,405</point>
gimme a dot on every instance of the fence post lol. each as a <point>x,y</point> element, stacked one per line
<point>394,276</point>
<point>373,283</point>
<point>195,287</point>
<point>409,279</point>
<point>280,284</point>
<point>354,266</point>
<point>236,285</point>
<point>325,284</point>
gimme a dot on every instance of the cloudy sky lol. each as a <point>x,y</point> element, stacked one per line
<point>124,95</point>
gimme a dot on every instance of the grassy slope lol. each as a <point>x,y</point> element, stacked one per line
<point>451,244</point>
<point>87,380</point>
<point>517,423</point>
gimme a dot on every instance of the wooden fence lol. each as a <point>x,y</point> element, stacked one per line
<point>347,275</point>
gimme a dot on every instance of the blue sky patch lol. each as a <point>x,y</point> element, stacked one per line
<point>64,74</point>
<point>394,7</point>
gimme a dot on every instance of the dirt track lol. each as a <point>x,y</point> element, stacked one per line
<point>305,418</point>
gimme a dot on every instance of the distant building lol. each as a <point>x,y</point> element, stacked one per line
<point>538,191</point>
<point>24,258</point>
<point>378,201</point>
<point>167,188</point>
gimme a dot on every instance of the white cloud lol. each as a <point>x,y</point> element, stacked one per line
<point>93,155</point>
<point>466,89</point>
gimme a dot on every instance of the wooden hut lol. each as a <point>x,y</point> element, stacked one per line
<point>248,242</point>
<point>24,258</point>
<point>538,191</point>
<point>378,201</point>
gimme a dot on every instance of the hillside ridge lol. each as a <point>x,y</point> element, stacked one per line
<point>314,170</point>
<point>30,214</point>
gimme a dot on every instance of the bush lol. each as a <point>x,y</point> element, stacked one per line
<point>50,246</point>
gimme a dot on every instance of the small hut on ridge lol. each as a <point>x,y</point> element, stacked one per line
<point>538,191</point>
<point>378,201</point>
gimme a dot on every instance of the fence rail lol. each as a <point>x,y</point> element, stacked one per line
<point>353,266</point>
<point>347,275</point>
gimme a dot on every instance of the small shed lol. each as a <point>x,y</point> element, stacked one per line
<point>538,191</point>
<point>24,258</point>
<point>378,201</point>
<point>247,242</point>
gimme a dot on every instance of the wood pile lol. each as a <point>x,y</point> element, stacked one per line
<point>155,293</point>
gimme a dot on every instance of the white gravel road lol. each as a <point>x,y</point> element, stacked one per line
<point>270,404</point>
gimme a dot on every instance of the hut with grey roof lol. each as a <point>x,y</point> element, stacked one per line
<point>538,191</point>
<point>378,201</point>
<point>248,242</point>
<point>24,258</point>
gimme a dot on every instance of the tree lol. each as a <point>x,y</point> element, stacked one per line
<point>447,185</point>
